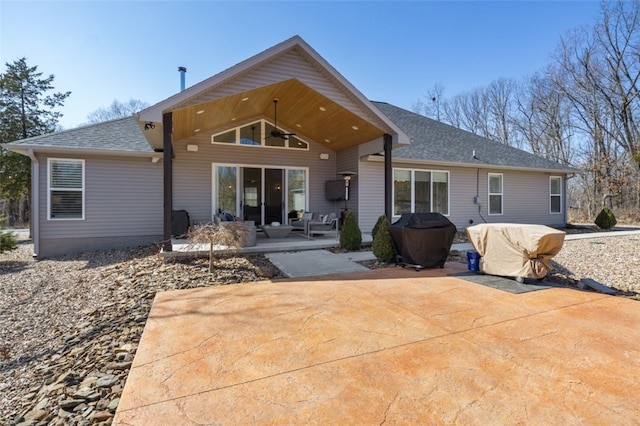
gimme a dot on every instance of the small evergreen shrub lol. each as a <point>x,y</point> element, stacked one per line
<point>374,231</point>
<point>350,235</point>
<point>8,240</point>
<point>382,244</point>
<point>606,219</point>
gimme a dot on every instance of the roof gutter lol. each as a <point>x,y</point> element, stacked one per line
<point>35,202</point>
<point>29,150</point>
<point>380,159</point>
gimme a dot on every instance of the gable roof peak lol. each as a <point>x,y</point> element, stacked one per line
<point>154,112</point>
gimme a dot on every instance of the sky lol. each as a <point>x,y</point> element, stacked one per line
<point>392,51</point>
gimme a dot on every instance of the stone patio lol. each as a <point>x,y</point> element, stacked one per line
<point>385,346</point>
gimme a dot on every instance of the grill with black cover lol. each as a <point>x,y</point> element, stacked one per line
<point>423,239</point>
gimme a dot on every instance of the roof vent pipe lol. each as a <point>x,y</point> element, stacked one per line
<point>182,71</point>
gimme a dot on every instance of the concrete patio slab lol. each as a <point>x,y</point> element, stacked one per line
<point>390,345</point>
<point>313,262</point>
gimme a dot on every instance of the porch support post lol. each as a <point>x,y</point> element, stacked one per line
<point>388,177</point>
<point>167,154</point>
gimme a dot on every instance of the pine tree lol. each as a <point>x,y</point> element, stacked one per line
<point>8,240</point>
<point>26,110</point>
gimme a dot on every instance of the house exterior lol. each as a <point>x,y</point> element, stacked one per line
<point>274,134</point>
<point>480,180</point>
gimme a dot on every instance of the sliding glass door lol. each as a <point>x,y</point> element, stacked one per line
<point>260,194</point>
<point>251,201</point>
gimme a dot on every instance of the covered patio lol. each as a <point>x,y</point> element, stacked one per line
<point>261,139</point>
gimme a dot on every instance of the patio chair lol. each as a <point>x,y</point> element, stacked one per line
<point>301,224</point>
<point>328,225</point>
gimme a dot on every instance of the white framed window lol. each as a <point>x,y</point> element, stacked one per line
<point>495,194</point>
<point>65,189</point>
<point>420,191</point>
<point>258,134</point>
<point>555,194</point>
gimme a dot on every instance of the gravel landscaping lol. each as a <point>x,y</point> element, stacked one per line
<point>69,328</point>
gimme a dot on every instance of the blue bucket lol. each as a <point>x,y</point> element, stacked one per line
<point>473,261</point>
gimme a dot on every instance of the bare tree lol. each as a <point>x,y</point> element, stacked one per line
<point>601,81</point>
<point>501,111</point>
<point>432,105</point>
<point>543,119</point>
<point>117,109</point>
<point>468,111</point>
<point>581,110</point>
<point>486,111</point>
<point>452,111</point>
<point>618,43</point>
<point>220,236</point>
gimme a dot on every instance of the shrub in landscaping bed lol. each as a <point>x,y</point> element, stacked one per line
<point>350,235</point>
<point>606,219</point>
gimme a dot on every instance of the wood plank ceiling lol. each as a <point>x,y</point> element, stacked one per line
<point>301,109</point>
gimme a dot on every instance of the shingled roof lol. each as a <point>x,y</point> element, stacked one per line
<point>120,135</point>
<point>437,142</point>
<point>431,141</point>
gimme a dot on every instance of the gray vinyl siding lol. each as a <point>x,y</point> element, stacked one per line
<point>525,198</point>
<point>525,195</point>
<point>371,197</point>
<point>123,201</point>
<point>348,161</point>
<point>192,172</point>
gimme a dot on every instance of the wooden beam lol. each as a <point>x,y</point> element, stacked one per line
<point>388,177</point>
<point>167,124</point>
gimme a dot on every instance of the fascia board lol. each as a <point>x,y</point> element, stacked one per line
<point>36,149</point>
<point>154,112</point>
<point>380,158</point>
<point>402,137</point>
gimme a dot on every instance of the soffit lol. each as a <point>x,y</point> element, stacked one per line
<point>301,109</point>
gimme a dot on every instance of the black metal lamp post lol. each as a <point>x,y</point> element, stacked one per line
<point>347,179</point>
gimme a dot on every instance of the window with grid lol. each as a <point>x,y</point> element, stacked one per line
<point>495,193</point>
<point>555,194</point>
<point>65,188</point>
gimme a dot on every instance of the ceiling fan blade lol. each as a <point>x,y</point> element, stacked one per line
<point>275,132</point>
<point>279,134</point>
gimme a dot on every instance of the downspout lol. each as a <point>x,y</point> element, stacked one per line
<point>388,176</point>
<point>565,199</point>
<point>35,202</point>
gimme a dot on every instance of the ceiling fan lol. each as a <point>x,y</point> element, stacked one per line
<point>275,133</point>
